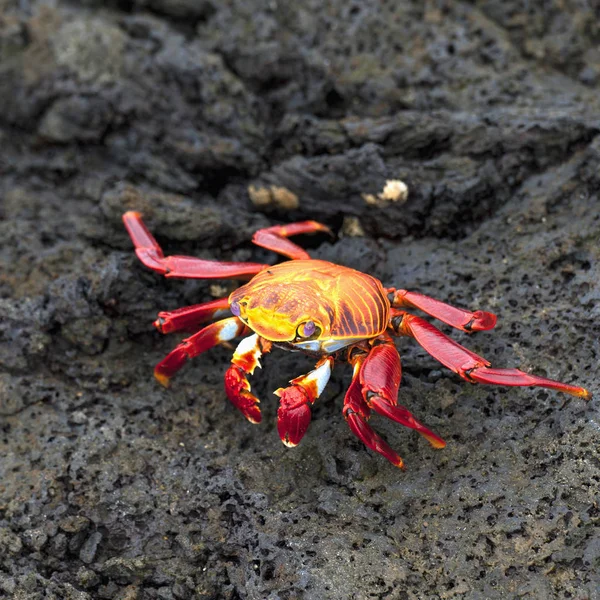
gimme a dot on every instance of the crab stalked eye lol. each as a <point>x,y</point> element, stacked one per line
<point>307,329</point>
<point>234,307</point>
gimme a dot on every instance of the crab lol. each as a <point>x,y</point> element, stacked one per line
<point>328,311</point>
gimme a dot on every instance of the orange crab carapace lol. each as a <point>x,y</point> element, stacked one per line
<point>328,311</point>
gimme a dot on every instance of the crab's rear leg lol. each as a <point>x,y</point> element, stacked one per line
<point>189,317</point>
<point>293,415</point>
<point>217,333</point>
<point>374,386</point>
<point>467,364</point>
<point>274,238</point>
<point>456,317</point>
<point>152,256</point>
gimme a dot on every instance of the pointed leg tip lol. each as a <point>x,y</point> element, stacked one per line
<point>162,379</point>
<point>399,463</point>
<point>481,321</point>
<point>159,324</point>
<point>132,214</point>
<point>437,444</point>
<point>585,394</point>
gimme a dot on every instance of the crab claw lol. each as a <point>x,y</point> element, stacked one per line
<point>293,414</point>
<point>237,388</point>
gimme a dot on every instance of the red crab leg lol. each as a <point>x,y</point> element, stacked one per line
<point>357,413</point>
<point>274,238</point>
<point>375,386</point>
<point>245,360</point>
<point>221,331</point>
<point>189,317</point>
<point>151,255</point>
<point>467,364</point>
<point>293,415</point>
<point>456,317</point>
<point>380,379</point>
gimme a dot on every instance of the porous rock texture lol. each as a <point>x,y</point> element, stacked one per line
<point>215,119</point>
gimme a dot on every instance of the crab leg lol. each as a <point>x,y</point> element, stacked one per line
<point>357,413</point>
<point>380,379</point>
<point>456,317</point>
<point>293,415</point>
<point>217,333</point>
<point>274,238</point>
<point>375,386</point>
<point>467,364</point>
<point>151,255</point>
<point>245,359</point>
<point>189,317</point>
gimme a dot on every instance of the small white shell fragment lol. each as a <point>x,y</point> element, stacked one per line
<point>394,190</point>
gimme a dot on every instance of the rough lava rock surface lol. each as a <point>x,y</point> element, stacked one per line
<point>215,119</point>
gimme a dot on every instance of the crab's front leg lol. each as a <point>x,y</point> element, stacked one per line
<point>245,359</point>
<point>374,386</point>
<point>293,415</point>
<point>217,333</point>
<point>188,318</point>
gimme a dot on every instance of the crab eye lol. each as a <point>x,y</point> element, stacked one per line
<point>307,329</point>
<point>238,308</point>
